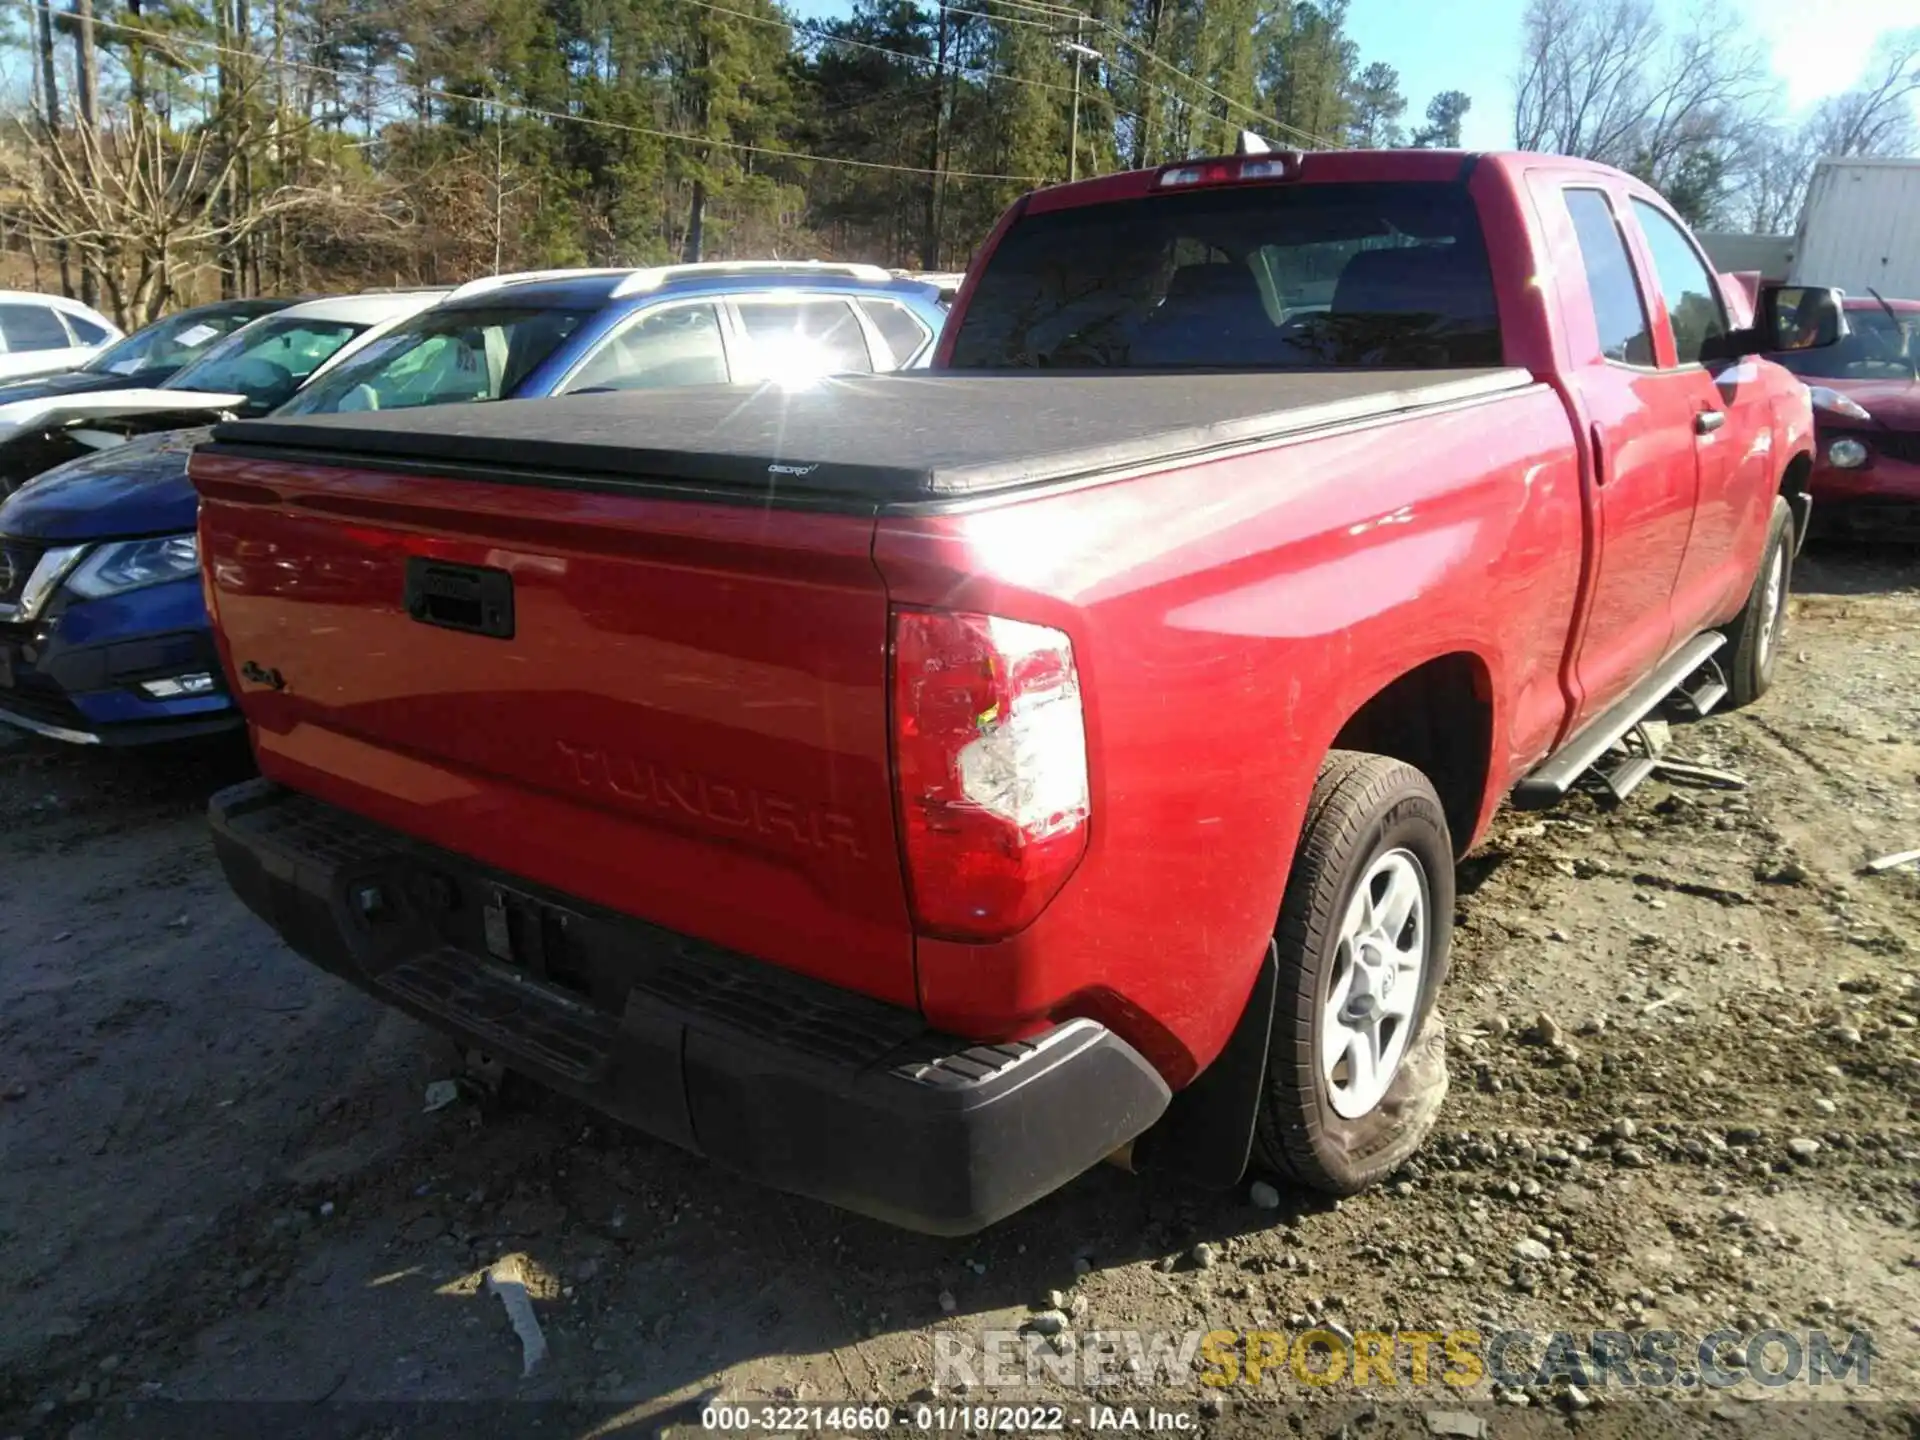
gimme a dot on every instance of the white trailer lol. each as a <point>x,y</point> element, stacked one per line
<point>1860,229</point>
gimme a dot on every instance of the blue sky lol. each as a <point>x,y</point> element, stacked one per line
<point>1471,47</point>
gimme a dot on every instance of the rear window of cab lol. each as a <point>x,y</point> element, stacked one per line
<point>1248,277</point>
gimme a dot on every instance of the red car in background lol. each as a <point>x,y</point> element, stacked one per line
<point>1866,410</point>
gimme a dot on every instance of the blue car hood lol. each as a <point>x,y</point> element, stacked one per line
<point>139,488</point>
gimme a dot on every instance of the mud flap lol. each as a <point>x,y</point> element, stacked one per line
<point>1206,1136</point>
<point>1801,504</point>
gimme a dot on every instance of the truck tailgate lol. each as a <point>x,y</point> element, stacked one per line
<point>672,708</point>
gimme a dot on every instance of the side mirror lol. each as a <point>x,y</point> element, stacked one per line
<point>1786,317</point>
<point>1800,317</point>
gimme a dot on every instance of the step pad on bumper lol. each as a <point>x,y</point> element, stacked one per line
<point>508,1012</point>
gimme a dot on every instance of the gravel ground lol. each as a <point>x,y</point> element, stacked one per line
<point>1686,1078</point>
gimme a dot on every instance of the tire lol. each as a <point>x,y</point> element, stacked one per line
<point>1753,639</point>
<point>1376,819</point>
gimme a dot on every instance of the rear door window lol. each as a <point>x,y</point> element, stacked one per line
<point>1619,309</point>
<point>800,338</point>
<point>677,345</point>
<point>1246,277</point>
<point>32,327</point>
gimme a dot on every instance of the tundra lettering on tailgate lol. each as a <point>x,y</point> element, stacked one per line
<point>721,805</point>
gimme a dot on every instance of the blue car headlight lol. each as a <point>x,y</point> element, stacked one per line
<point>133,564</point>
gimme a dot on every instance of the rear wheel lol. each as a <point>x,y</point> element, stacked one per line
<point>1357,1066</point>
<point>1753,639</point>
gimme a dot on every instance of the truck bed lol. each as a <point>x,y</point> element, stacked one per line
<point>865,444</point>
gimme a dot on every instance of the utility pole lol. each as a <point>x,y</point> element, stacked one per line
<point>499,184</point>
<point>1073,133</point>
<point>1080,51</point>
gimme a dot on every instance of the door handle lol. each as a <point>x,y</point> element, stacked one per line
<point>1708,421</point>
<point>1599,438</point>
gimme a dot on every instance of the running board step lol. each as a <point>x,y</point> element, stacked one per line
<point>1624,778</point>
<point>1704,690</point>
<point>1550,781</point>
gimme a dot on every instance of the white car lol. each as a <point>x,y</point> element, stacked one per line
<point>248,373</point>
<point>43,334</point>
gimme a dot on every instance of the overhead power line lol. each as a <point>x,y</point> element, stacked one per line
<point>1000,19</point>
<point>828,37</point>
<point>531,111</point>
<point>1065,13</point>
<point>1060,18</point>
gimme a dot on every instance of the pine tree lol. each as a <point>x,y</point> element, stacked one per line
<point>1375,106</point>
<point>1444,114</point>
<point>1310,70</point>
<point>303,145</point>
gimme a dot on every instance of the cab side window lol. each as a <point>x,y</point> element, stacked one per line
<point>1693,299</point>
<point>1619,309</point>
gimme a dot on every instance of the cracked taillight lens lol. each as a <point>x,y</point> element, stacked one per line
<point>990,764</point>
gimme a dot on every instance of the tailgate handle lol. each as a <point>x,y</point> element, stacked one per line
<point>460,597</point>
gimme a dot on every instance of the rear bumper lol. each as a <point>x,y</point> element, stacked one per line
<point>792,1083</point>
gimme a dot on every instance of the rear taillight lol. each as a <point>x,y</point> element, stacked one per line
<point>990,761</point>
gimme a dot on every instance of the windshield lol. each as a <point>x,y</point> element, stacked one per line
<point>442,357</point>
<point>1256,277</point>
<point>267,361</point>
<point>168,344</point>
<point>1874,349</point>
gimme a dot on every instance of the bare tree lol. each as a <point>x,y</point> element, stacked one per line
<point>86,95</point>
<point>137,203</point>
<point>1769,179</point>
<point>1578,90</point>
<point>1772,166</point>
<point>1876,116</point>
<point>40,17</point>
<point>1602,79</point>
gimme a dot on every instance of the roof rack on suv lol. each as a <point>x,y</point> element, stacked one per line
<point>652,279</point>
<point>524,277</point>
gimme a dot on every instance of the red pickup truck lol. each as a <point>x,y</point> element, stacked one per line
<point>909,791</point>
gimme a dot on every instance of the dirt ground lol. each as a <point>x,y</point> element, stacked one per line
<point>1686,1079</point>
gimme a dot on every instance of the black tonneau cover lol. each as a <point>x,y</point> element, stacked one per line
<point>870,441</point>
